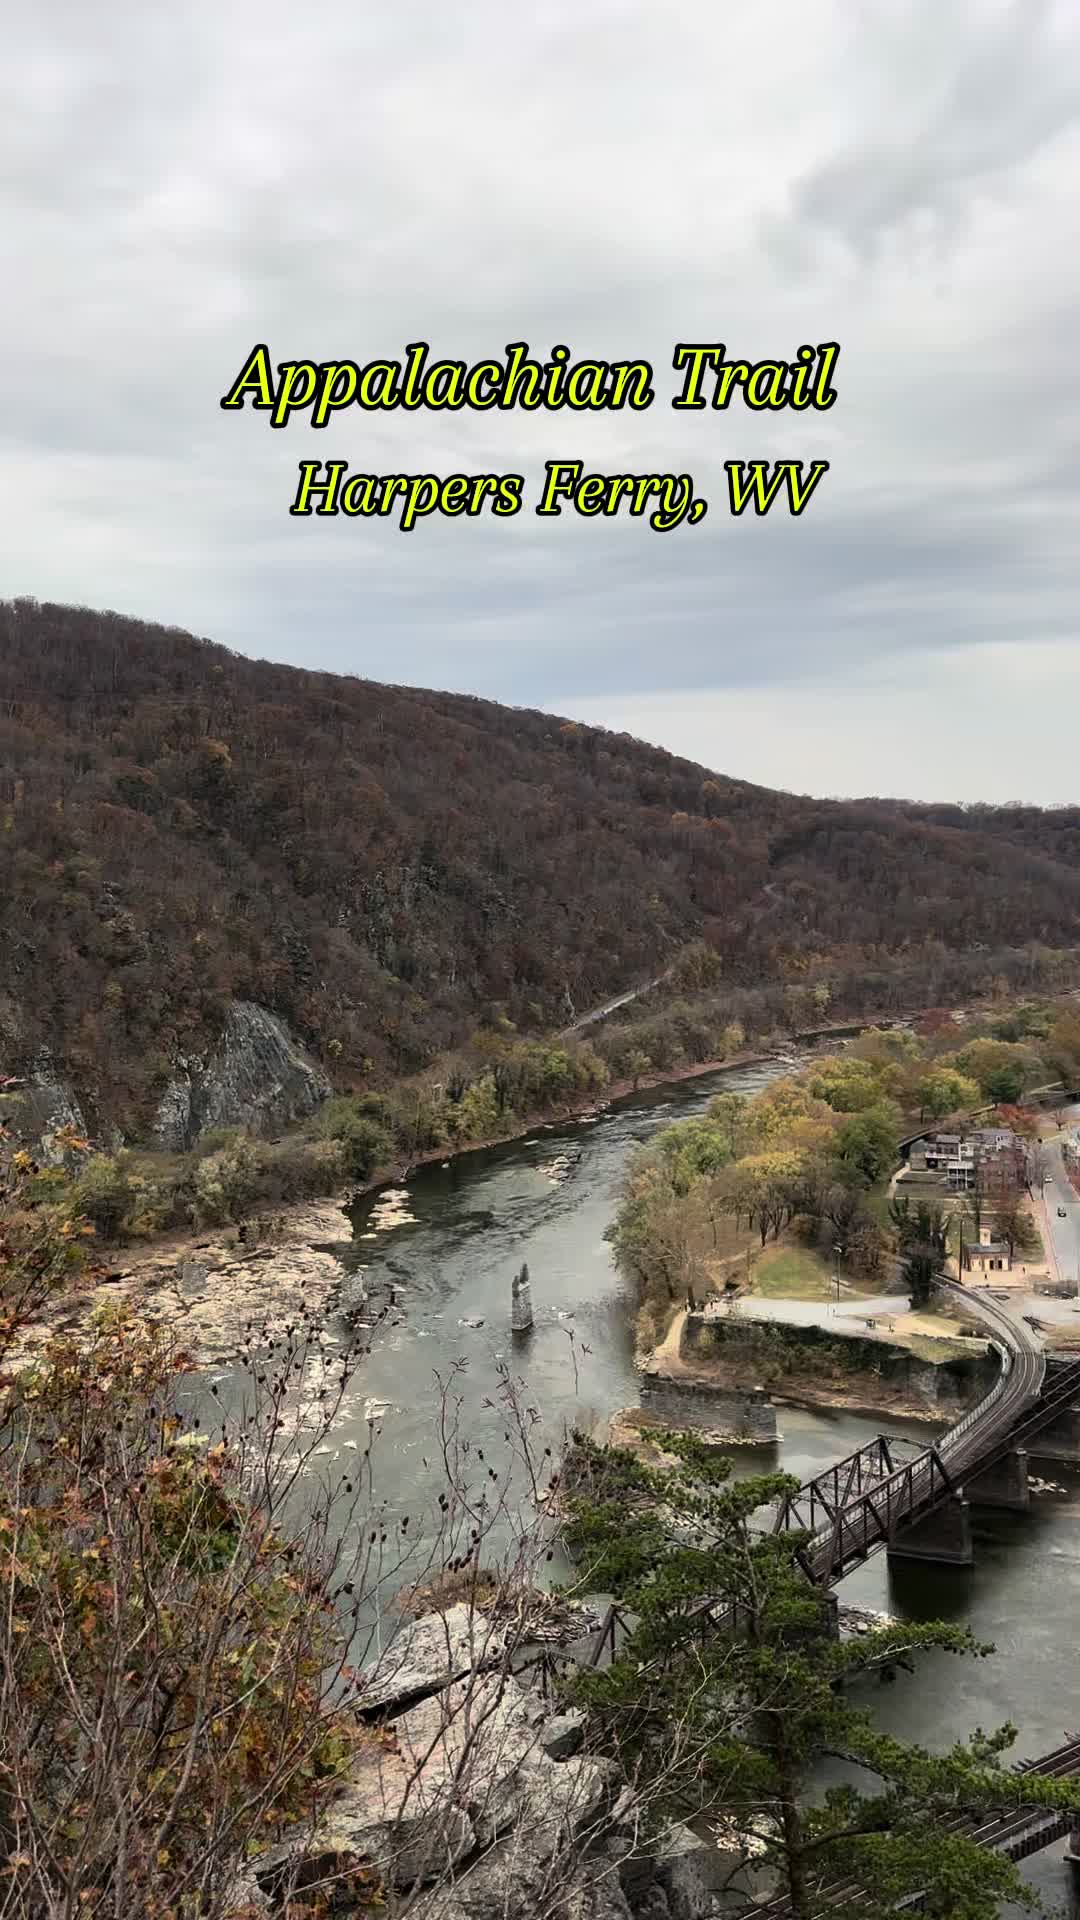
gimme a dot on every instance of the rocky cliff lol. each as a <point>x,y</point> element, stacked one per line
<point>256,1077</point>
<point>474,1799</point>
<point>46,1109</point>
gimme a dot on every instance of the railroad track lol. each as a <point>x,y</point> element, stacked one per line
<point>1020,1404</point>
<point>1016,1406</point>
<point>1017,1832</point>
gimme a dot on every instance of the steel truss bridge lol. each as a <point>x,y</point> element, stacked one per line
<point>866,1502</point>
<point>1017,1832</point>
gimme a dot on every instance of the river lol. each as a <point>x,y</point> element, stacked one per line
<point>547,1201</point>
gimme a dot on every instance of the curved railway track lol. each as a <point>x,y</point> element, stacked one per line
<point>1018,1406</point>
<point>866,1515</point>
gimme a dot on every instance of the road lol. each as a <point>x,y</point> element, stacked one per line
<point>610,1006</point>
<point>1058,1192</point>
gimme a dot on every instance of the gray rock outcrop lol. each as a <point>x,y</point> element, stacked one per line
<point>562,1735</point>
<point>426,1655</point>
<point>257,1077</point>
<point>43,1108</point>
<point>690,1872</point>
<point>462,1798</point>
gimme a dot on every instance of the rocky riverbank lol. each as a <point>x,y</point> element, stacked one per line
<point>209,1289</point>
<point>472,1794</point>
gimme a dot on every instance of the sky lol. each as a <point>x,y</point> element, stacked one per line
<point>340,179</point>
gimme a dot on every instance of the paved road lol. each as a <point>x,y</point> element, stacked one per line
<point>1058,1192</point>
<point>845,1316</point>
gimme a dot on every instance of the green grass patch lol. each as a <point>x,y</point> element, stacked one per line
<point>877,1204</point>
<point>793,1273</point>
<point>939,1348</point>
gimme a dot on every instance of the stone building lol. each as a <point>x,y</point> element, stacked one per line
<point>987,1255</point>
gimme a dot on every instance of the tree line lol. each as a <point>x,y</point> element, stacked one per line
<point>812,1151</point>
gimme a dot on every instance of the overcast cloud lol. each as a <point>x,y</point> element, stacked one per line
<point>339,179</point>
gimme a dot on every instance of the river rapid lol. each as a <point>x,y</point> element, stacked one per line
<point>449,1245</point>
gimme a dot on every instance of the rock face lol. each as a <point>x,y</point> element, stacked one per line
<point>460,1785</point>
<point>427,1655</point>
<point>690,1872</point>
<point>45,1106</point>
<point>257,1077</point>
<point>475,1803</point>
<point>865,1371</point>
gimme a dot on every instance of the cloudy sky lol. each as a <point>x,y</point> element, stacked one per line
<point>342,178</point>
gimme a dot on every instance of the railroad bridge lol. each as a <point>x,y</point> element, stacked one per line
<point>918,1507</point>
<point>1015,1832</point>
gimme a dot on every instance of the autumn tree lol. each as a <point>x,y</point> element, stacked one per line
<point>1063,1048</point>
<point>1001,1068</point>
<point>189,1588</point>
<point>866,1144</point>
<point>850,1084</point>
<point>728,1112</point>
<point>945,1090</point>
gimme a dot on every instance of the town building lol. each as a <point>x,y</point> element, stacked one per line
<point>987,1255</point>
<point>986,1160</point>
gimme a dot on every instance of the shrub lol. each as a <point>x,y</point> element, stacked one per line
<point>215,1140</point>
<point>105,1193</point>
<point>302,1170</point>
<point>226,1183</point>
<point>363,1139</point>
<point>164,1643</point>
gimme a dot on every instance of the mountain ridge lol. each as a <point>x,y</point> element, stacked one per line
<point>387,868</point>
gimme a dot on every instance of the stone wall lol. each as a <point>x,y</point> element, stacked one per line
<point>781,1357</point>
<point>736,1413</point>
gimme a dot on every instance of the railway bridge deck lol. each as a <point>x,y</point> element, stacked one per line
<point>917,1507</point>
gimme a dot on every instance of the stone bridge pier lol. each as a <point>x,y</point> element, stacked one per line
<point>943,1536</point>
<point>1005,1484</point>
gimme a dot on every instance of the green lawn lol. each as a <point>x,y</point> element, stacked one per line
<point>939,1349</point>
<point>877,1204</point>
<point>793,1273</point>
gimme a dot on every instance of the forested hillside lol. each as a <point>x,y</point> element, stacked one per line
<point>386,868</point>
